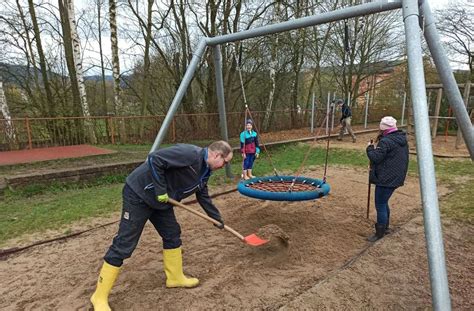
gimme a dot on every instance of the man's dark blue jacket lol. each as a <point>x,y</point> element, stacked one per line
<point>179,171</point>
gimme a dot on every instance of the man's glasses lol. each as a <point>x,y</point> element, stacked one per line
<point>223,159</point>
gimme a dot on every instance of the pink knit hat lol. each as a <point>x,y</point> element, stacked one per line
<point>388,123</point>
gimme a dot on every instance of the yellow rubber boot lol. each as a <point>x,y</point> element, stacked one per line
<point>173,263</point>
<point>249,174</point>
<point>100,298</point>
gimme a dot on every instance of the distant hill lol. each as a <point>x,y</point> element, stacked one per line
<point>16,73</point>
<point>98,78</point>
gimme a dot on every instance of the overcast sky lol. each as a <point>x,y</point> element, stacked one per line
<point>438,4</point>
<point>127,61</point>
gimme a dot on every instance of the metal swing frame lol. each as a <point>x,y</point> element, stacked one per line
<point>411,10</point>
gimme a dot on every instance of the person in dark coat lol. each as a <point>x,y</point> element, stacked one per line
<point>174,172</point>
<point>388,169</point>
<point>345,120</point>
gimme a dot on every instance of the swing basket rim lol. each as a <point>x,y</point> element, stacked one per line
<point>322,190</point>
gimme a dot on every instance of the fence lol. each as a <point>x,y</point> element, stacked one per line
<point>28,133</point>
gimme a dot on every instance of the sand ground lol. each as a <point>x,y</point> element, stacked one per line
<point>327,265</point>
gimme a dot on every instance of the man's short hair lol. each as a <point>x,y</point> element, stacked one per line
<point>221,146</point>
<point>339,102</point>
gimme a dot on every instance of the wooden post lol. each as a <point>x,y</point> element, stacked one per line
<point>428,102</point>
<point>467,89</point>
<point>434,129</point>
<point>28,131</point>
<point>123,131</point>
<point>111,130</point>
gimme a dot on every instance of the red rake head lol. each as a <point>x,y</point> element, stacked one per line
<point>254,240</point>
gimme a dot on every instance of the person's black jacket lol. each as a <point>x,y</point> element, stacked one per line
<point>345,112</point>
<point>179,171</point>
<point>389,161</point>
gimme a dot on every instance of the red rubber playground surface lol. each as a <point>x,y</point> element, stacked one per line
<point>51,153</point>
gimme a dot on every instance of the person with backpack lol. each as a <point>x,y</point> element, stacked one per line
<point>346,116</point>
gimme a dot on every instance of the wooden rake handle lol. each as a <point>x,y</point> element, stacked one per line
<point>227,228</point>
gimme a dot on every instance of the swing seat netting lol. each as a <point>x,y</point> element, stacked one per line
<point>277,188</point>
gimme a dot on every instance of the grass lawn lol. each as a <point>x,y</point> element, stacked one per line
<point>37,209</point>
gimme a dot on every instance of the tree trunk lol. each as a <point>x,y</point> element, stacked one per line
<point>102,67</point>
<point>146,84</point>
<point>297,63</point>
<point>30,55</point>
<point>43,65</point>
<point>118,107</point>
<point>272,72</point>
<point>78,133</point>
<point>7,123</point>
<point>181,61</point>
<point>76,49</point>
<point>105,110</point>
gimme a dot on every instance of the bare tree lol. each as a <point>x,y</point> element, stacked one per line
<point>220,18</point>
<point>29,51</point>
<point>358,43</point>
<point>115,58</point>
<point>272,67</point>
<point>146,29</point>
<point>43,65</point>
<point>456,24</point>
<point>76,48</point>
<point>299,43</point>
<point>99,4</point>
<point>317,51</point>
<point>69,58</point>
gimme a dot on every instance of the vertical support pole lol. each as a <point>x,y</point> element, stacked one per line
<point>447,78</point>
<point>333,110</point>
<point>366,109</point>
<point>434,129</point>
<point>467,90</point>
<point>28,132</point>
<point>221,100</point>
<point>312,114</point>
<point>327,113</point>
<point>188,76</point>
<point>429,194</point>
<point>403,107</point>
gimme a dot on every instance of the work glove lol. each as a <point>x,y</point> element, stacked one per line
<point>221,225</point>
<point>163,198</point>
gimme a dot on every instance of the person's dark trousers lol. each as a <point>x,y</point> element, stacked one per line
<point>382,195</point>
<point>135,213</point>
<point>248,161</point>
